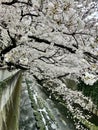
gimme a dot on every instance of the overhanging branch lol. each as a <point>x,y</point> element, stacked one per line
<point>17,66</point>
<point>91,55</point>
<point>16,1</point>
<point>37,39</point>
<point>10,47</point>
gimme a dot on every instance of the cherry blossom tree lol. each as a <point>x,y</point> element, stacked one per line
<point>53,40</point>
<point>50,36</point>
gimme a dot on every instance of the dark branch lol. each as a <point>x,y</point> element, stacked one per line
<point>13,40</point>
<point>77,33</point>
<point>7,49</point>
<point>62,76</point>
<point>27,14</point>
<point>16,1</point>
<point>39,49</point>
<point>17,66</point>
<point>55,44</point>
<point>9,3</point>
<point>77,44</point>
<point>47,60</point>
<point>91,55</point>
<point>10,47</point>
<point>73,34</point>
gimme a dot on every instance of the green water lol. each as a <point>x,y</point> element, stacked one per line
<point>54,112</point>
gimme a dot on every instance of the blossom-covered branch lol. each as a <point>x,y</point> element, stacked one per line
<point>16,1</point>
<point>40,40</point>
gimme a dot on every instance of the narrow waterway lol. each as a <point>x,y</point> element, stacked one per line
<point>53,116</point>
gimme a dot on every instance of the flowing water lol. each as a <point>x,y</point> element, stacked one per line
<point>38,111</point>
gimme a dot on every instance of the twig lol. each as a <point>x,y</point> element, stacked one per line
<point>27,14</point>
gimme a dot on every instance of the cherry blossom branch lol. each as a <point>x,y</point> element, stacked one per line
<point>17,66</point>
<point>73,34</point>
<point>91,55</point>
<point>16,1</point>
<point>37,39</point>
<point>27,14</point>
<point>10,47</point>
<point>76,33</point>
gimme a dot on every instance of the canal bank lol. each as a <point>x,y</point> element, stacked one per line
<point>59,108</point>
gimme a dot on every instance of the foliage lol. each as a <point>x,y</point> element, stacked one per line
<point>90,91</point>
